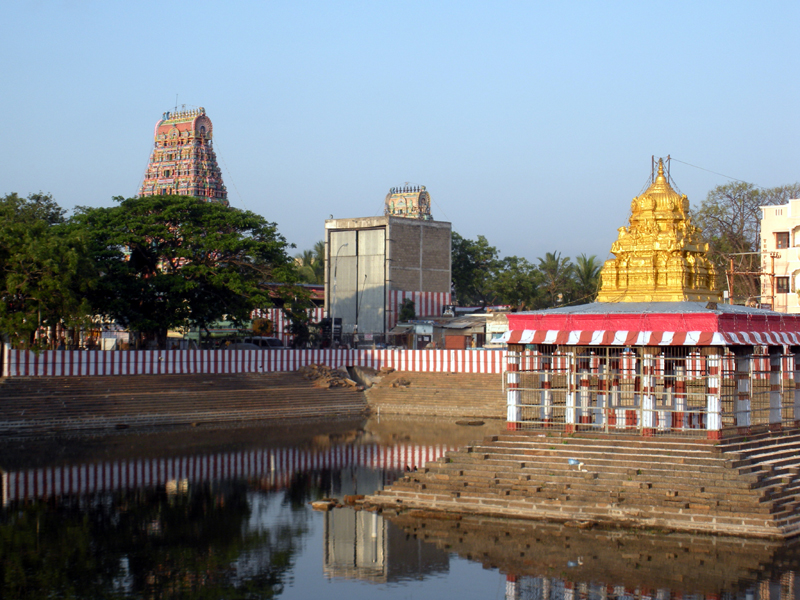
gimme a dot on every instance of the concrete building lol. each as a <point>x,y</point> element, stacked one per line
<point>780,255</point>
<point>374,263</point>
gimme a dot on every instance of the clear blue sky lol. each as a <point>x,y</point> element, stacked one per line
<point>531,123</point>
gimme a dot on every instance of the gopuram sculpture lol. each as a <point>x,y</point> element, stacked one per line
<point>660,256</point>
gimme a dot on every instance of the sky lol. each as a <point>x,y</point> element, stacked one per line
<point>530,123</point>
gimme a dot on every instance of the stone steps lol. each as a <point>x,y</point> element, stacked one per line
<point>674,483</point>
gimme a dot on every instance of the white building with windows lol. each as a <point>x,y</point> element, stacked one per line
<point>780,255</point>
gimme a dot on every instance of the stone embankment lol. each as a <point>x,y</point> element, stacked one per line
<point>749,488</point>
<point>457,395</point>
<point>70,403</point>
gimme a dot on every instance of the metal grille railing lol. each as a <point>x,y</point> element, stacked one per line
<point>651,391</point>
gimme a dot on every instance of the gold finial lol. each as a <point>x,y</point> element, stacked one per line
<point>660,256</point>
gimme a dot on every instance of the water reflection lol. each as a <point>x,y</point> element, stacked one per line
<point>225,514</point>
<point>547,561</point>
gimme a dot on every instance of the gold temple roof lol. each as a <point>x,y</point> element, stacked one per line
<point>660,256</point>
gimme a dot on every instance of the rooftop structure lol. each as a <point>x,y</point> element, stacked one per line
<point>411,202</point>
<point>660,255</point>
<point>780,256</point>
<point>183,159</point>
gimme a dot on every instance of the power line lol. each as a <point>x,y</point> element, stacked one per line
<point>720,174</point>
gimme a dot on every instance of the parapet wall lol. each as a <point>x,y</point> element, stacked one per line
<point>60,363</point>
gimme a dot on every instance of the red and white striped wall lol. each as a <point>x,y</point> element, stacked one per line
<point>276,465</point>
<point>60,363</point>
<point>426,304</point>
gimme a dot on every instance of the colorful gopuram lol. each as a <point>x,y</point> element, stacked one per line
<point>183,159</point>
<point>409,201</point>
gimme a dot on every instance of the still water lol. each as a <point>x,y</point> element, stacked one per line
<point>225,513</point>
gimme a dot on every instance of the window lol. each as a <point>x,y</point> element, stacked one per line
<point>782,284</point>
<point>782,240</point>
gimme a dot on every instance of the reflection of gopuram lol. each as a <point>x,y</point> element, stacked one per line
<point>674,410</point>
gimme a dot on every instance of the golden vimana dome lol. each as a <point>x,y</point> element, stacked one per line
<point>660,256</point>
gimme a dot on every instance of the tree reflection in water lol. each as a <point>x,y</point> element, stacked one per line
<point>150,543</point>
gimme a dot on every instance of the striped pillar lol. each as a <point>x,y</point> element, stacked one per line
<point>648,400</point>
<point>600,398</point>
<point>775,421</point>
<point>796,396</point>
<point>570,409</point>
<point>744,375</point>
<point>713,402</point>
<point>679,414</point>
<point>788,389</point>
<point>513,394</point>
<point>512,588</point>
<point>547,397</point>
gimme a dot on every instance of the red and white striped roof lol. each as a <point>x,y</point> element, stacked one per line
<point>650,338</point>
<point>654,324</point>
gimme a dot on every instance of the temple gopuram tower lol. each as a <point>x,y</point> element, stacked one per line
<point>411,202</point>
<point>660,256</point>
<point>183,160</point>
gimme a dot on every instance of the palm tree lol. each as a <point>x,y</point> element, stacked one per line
<point>587,278</point>
<point>311,264</point>
<point>556,278</point>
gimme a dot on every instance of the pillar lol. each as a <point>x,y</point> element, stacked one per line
<point>547,397</point>
<point>713,402</point>
<point>744,374</point>
<point>679,409</point>
<point>570,409</point>
<point>513,394</point>
<point>775,421</point>
<point>648,399</point>
<point>512,588</point>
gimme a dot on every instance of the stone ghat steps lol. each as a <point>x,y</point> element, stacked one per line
<point>664,482</point>
<point>439,394</point>
<point>102,402</point>
<point>506,474</point>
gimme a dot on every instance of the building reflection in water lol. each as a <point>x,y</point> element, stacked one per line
<point>362,545</point>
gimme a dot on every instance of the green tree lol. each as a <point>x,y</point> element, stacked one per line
<point>474,267</point>
<point>556,279</point>
<point>586,275</point>
<point>730,219</point>
<point>311,264</point>
<point>408,310</point>
<point>516,282</point>
<point>45,273</point>
<point>174,261</point>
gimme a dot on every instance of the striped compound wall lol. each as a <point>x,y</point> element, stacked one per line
<point>60,363</point>
<point>277,466</point>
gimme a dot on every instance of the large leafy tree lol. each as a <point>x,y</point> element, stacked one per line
<point>730,218</point>
<point>474,267</point>
<point>516,283</point>
<point>175,261</point>
<point>45,274</point>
